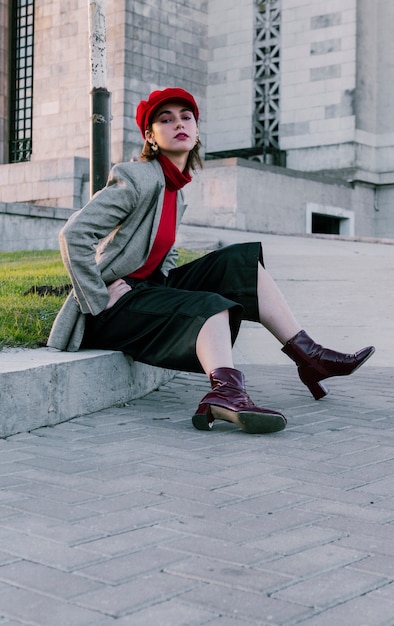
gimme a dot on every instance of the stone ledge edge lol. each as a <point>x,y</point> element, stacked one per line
<point>45,387</point>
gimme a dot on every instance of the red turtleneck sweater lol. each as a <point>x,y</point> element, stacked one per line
<point>165,237</point>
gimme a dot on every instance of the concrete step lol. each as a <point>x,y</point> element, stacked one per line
<point>44,387</point>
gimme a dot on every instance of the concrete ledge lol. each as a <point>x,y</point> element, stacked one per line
<point>44,387</point>
<point>30,227</point>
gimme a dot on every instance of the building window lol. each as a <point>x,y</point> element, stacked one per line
<point>21,92</point>
<point>267,79</point>
<point>326,224</point>
<point>329,220</point>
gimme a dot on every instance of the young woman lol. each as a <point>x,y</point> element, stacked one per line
<point>129,295</point>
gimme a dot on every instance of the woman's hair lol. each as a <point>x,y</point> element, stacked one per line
<point>193,160</point>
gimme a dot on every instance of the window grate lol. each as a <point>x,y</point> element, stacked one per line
<point>21,112</point>
<point>267,75</point>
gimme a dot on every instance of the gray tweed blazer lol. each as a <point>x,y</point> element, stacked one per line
<point>107,239</point>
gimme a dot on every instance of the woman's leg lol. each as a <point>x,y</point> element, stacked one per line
<point>274,312</point>
<point>231,272</point>
<point>315,363</point>
<point>228,399</point>
<point>213,346</point>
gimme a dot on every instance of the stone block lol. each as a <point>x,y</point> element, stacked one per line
<point>326,20</point>
<point>44,387</point>
<point>16,173</point>
<point>326,47</point>
<point>325,72</point>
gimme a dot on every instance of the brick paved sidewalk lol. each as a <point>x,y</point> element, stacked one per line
<point>131,517</point>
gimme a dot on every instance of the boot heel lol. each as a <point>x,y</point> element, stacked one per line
<point>201,422</point>
<point>203,418</point>
<point>317,389</point>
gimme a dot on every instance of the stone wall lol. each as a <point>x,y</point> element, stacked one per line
<point>236,194</point>
<point>318,82</point>
<point>240,194</point>
<point>29,227</point>
<point>61,80</point>
<point>337,86</point>
<point>230,95</point>
<point>57,182</point>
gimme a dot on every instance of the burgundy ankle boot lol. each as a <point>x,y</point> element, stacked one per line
<point>316,363</point>
<point>228,392</point>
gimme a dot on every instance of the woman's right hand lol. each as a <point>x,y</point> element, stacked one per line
<point>116,290</point>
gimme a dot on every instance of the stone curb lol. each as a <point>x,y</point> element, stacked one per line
<point>44,387</point>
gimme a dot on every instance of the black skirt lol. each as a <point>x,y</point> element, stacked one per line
<point>158,323</point>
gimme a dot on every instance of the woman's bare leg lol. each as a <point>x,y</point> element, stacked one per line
<point>228,399</point>
<point>213,346</point>
<point>214,350</point>
<point>274,312</point>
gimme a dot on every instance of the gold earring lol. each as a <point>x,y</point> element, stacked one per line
<point>197,140</point>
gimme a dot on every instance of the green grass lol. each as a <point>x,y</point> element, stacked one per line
<point>26,320</point>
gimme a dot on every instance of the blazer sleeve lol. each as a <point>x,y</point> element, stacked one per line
<point>170,261</point>
<point>84,230</point>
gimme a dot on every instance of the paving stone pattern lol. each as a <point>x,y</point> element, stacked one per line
<point>129,516</point>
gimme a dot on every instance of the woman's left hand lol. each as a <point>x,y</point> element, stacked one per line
<point>116,290</point>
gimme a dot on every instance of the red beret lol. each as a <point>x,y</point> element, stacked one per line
<point>156,99</point>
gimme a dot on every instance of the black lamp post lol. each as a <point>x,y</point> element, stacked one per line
<point>100,99</point>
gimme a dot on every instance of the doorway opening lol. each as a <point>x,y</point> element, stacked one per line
<point>326,224</point>
<point>329,220</point>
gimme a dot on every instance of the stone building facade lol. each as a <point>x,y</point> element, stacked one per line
<point>295,93</point>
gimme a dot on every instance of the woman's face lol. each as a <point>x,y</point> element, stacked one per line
<point>174,130</point>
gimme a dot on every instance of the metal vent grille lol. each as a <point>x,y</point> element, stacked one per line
<point>21,113</point>
<point>267,75</point>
